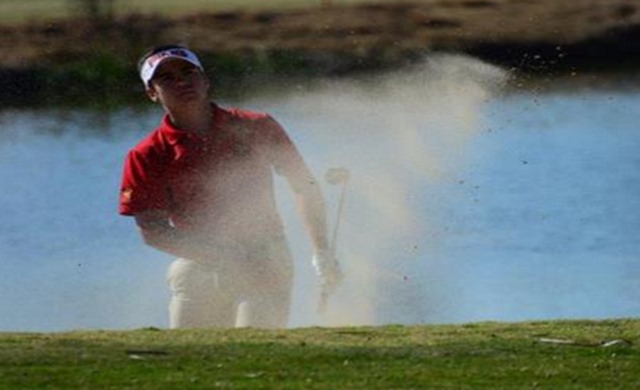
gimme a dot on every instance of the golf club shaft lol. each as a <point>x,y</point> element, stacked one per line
<point>334,239</point>
<point>334,176</point>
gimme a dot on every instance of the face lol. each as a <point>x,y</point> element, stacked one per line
<point>177,83</point>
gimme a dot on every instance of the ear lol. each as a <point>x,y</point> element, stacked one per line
<point>207,81</point>
<point>151,93</point>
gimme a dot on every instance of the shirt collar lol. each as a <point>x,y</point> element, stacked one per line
<point>174,135</point>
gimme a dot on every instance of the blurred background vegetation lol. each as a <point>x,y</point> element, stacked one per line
<point>83,51</point>
<point>113,34</point>
<point>29,11</point>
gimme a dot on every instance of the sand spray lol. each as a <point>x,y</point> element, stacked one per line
<point>401,135</point>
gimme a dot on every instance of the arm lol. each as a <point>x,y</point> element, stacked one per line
<point>157,232</point>
<point>308,198</point>
<point>312,211</point>
<point>309,203</point>
<point>142,195</point>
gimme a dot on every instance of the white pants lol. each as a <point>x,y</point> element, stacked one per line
<point>208,295</point>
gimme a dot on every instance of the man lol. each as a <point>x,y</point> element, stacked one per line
<point>200,188</point>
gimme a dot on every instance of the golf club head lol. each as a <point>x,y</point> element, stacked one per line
<point>337,175</point>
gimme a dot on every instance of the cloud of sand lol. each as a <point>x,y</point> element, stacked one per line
<point>400,134</point>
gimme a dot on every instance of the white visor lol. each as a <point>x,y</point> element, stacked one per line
<point>153,62</point>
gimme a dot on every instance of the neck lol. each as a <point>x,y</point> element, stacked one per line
<point>196,119</point>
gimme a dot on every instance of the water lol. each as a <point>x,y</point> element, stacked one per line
<point>465,205</point>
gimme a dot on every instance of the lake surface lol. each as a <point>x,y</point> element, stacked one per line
<point>466,203</point>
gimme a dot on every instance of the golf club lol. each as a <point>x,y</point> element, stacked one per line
<point>334,176</point>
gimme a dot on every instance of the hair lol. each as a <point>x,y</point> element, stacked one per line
<point>157,49</point>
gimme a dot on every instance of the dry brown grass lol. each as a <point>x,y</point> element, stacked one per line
<point>378,28</point>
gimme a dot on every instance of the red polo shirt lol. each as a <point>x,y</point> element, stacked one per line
<point>219,185</point>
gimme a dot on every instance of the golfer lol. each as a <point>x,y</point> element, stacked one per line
<point>200,188</point>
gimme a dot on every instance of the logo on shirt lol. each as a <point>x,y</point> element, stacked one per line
<point>125,195</point>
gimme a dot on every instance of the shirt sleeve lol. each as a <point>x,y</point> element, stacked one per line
<point>285,158</point>
<point>142,186</point>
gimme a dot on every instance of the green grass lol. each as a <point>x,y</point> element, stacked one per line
<point>472,356</point>
<point>22,11</point>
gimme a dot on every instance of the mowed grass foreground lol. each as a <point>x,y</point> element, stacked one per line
<point>548,355</point>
